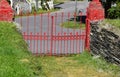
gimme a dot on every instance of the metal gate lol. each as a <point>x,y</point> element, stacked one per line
<point>45,34</point>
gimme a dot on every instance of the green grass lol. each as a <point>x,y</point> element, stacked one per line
<point>16,61</point>
<point>40,11</point>
<point>59,1</point>
<point>83,65</point>
<point>12,50</point>
<point>44,11</point>
<point>114,22</point>
<point>73,25</point>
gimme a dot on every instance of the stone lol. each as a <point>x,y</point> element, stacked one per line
<point>105,43</point>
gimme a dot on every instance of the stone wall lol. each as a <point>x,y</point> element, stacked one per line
<point>105,42</point>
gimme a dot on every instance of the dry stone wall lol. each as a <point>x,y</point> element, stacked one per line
<point>105,43</point>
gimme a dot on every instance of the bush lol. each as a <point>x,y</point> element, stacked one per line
<point>114,12</point>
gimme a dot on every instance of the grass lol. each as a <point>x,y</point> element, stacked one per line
<point>73,25</point>
<point>83,65</point>
<point>16,61</point>
<point>40,11</point>
<point>114,22</point>
<point>59,1</point>
<point>44,11</point>
<point>12,50</point>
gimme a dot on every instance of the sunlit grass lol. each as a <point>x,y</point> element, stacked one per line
<point>73,25</point>
<point>113,22</point>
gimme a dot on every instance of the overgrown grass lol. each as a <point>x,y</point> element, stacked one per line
<point>16,61</point>
<point>82,65</point>
<point>12,50</point>
<point>73,25</point>
<point>114,22</point>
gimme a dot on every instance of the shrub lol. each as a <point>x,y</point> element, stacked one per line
<point>114,12</point>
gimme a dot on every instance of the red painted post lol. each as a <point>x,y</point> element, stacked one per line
<point>95,13</point>
<point>58,42</point>
<point>64,41</point>
<point>71,43</point>
<point>34,47</point>
<point>48,32</point>
<point>51,45</point>
<point>54,26</point>
<point>77,42</point>
<point>55,44</point>
<point>41,19</point>
<point>31,34</point>
<point>87,39</point>
<point>54,32</point>
<point>44,39</point>
<point>6,12</point>
<point>37,44</point>
<point>80,33</point>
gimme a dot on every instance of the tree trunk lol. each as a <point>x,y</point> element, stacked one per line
<point>36,5</point>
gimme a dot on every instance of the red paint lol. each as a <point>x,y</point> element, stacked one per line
<point>95,11</point>
<point>6,12</point>
<point>51,41</point>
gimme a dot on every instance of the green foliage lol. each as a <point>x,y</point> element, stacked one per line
<point>114,12</point>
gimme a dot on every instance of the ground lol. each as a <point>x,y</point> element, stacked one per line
<point>74,66</point>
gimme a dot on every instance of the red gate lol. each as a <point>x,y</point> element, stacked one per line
<point>46,36</point>
<point>44,32</point>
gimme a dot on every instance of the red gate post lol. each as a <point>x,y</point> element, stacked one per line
<point>95,13</point>
<point>6,12</point>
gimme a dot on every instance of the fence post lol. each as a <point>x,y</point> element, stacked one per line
<point>95,13</point>
<point>52,24</point>
<point>87,38</point>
